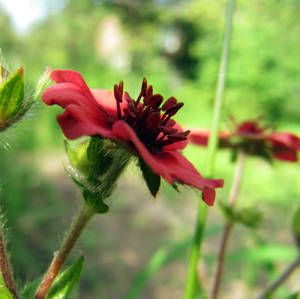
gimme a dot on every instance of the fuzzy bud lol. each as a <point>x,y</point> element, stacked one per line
<point>11,97</point>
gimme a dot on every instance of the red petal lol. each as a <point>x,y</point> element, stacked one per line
<point>75,123</point>
<point>285,146</point>
<point>106,99</point>
<point>285,154</point>
<point>171,165</point>
<point>68,76</point>
<point>64,94</point>
<point>199,137</point>
<point>180,145</point>
<point>287,139</point>
<point>208,196</point>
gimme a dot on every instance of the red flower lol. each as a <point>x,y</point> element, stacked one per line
<point>146,128</point>
<point>255,140</point>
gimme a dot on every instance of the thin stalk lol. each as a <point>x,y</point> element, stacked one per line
<point>192,278</point>
<point>59,259</point>
<point>281,278</point>
<point>5,269</point>
<point>228,227</point>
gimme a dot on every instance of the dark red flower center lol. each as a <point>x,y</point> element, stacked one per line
<point>150,118</point>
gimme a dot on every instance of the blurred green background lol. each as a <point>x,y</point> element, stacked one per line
<point>176,45</point>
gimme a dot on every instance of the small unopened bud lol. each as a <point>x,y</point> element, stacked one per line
<point>13,100</point>
<point>11,97</point>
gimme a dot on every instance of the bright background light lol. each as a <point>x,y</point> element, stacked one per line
<point>24,13</point>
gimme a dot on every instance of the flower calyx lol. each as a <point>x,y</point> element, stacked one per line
<point>96,164</point>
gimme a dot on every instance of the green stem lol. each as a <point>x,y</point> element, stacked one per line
<point>5,269</point>
<point>59,259</point>
<point>295,264</point>
<point>228,227</point>
<point>192,278</point>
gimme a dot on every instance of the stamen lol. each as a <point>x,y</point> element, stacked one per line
<point>169,103</point>
<point>149,92</point>
<point>143,91</point>
<point>153,121</point>
<point>118,98</point>
<point>154,101</point>
<point>121,85</point>
<point>153,128</point>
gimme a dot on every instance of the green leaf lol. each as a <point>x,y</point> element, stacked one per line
<point>4,292</point>
<point>151,178</point>
<point>11,96</point>
<point>265,253</point>
<point>66,281</point>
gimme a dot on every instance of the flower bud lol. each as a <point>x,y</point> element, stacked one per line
<point>11,97</point>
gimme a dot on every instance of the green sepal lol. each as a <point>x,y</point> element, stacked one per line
<point>175,187</point>
<point>66,281</point>
<point>4,292</point>
<point>90,157</point>
<point>11,96</point>
<point>234,154</point>
<point>151,178</point>
<point>4,73</point>
<point>296,227</point>
<point>78,156</point>
<point>246,216</point>
<point>95,166</point>
<point>74,179</point>
<point>42,84</point>
<point>99,156</point>
<point>95,200</point>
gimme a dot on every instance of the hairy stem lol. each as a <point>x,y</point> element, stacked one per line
<point>228,227</point>
<point>5,269</point>
<point>59,259</point>
<point>295,264</point>
<point>192,279</point>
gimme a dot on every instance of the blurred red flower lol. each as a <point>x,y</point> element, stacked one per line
<point>145,127</point>
<point>254,140</point>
